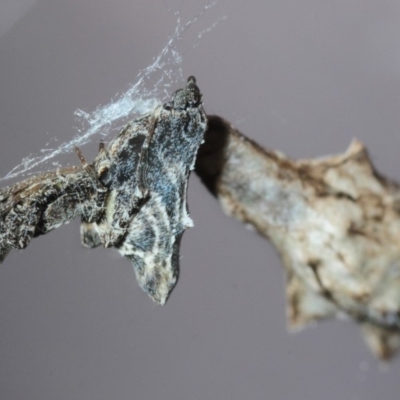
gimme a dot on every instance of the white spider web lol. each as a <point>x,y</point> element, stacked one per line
<point>140,98</point>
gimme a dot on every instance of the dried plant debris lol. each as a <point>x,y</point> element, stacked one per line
<point>335,222</point>
<point>45,202</point>
<point>132,197</point>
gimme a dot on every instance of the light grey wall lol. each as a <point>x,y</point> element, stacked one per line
<point>304,77</point>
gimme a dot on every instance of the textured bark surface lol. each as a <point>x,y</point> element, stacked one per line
<point>335,222</point>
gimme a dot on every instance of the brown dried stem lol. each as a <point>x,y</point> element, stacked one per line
<point>335,222</point>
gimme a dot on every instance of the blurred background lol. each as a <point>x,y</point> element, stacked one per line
<point>301,77</point>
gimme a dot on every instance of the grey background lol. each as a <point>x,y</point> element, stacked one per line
<point>304,77</point>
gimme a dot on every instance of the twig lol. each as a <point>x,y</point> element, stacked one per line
<point>335,222</point>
